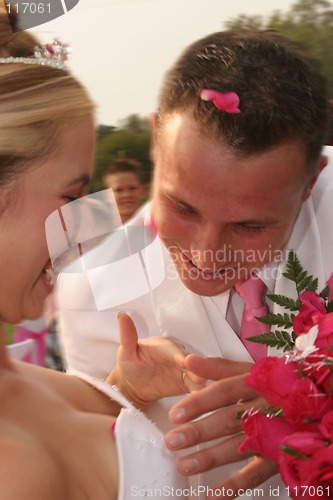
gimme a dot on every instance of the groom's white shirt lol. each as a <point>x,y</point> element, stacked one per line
<point>90,336</point>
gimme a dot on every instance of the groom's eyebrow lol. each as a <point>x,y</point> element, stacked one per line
<point>178,200</point>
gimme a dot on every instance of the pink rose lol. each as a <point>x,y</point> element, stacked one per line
<point>264,434</point>
<point>318,371</point>
<point>294,464</point>
<point>273,378</point>
<point>305,403</point>
<point>326,426</point>
<point>310,312</point>
<point>317,473</point>
<point>324,338</point>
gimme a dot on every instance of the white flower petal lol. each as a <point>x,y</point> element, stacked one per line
<point>305,342</point>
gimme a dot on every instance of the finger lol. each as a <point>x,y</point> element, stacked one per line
<point>197,381</point>
<point>193,382</point>
<point>225,452</point>
<point>222,423</point>
<point>179,358</point>
<point>248,478</point>
<point>128,336</point>
<point>217,395</point>
<point>216,368</point>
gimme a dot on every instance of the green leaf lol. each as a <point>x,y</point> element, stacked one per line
<point>286,302</point>
<point>294,267</point>
<point>329,306</point>
<point>324,293</point>
<point>298,275</point>
<point>241,414</point>
<point>274,411</point>
<point>293,452</point>
<point>278,339</point>
<point>266,319</point>
<point>281,320</point>
<point>308,283</point>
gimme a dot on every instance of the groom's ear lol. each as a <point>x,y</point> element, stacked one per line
<point>321,165</point>
<point>153,125</point>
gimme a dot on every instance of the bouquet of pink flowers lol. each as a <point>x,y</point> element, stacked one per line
<point>296,429</point>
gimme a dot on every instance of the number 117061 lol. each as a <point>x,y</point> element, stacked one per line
<point>309,491</point>
<point>29,7</point>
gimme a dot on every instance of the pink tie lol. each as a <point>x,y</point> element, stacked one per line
<point>252,291</point>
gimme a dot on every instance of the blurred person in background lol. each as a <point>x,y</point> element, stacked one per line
<point>123,176</point>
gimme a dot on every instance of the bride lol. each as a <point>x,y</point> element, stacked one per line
<point>60,435</point>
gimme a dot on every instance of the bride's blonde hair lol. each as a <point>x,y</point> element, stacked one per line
<point>36,103</point>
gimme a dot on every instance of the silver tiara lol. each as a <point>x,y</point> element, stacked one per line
<point>53,54</point>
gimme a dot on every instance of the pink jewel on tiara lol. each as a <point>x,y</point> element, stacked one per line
<point>224,101</point>
<point>55,51</point>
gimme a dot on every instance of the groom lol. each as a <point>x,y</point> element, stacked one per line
<point>240,178</point>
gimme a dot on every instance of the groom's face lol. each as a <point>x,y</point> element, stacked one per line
<point>220,215</point>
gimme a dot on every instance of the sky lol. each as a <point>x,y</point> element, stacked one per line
<point>121,49</point>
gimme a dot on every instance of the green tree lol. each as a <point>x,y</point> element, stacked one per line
<point>104,130</point>
<point>309,22</point>
<point>134,122</point>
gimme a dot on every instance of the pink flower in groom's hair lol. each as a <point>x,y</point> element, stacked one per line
<point>310,312</point>
<point>224,101</point>
<point>273,378</point>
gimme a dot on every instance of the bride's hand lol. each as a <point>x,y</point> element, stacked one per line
<point>151,368</point>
